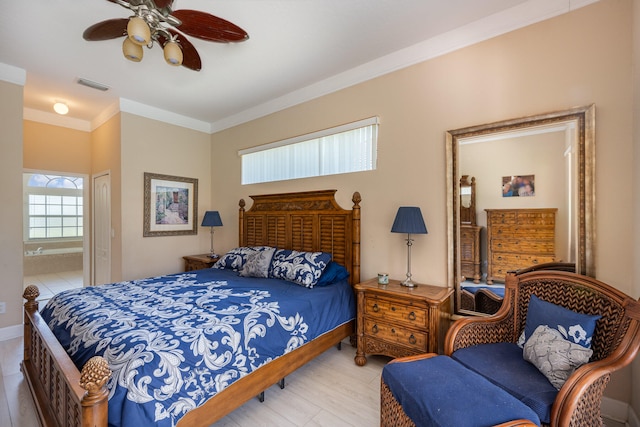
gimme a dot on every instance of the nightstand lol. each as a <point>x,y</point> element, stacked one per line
<point>198,262</point>
<point>398,321</point>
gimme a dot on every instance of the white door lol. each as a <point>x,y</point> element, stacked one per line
<point>101,229</point>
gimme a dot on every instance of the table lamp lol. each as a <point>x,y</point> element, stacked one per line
<point>212,219</point>
<point>409,220</point>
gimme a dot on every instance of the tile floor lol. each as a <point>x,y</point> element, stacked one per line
<point>51,283</point>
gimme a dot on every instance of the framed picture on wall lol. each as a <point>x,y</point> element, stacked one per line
<point>170,205</point>
<point>518,186</point>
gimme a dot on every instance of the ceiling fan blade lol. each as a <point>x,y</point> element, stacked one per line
<point>208,27</point>
<point>190,57</point>
<point>106,30</point>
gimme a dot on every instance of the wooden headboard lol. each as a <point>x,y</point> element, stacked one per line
<point>306,221</point>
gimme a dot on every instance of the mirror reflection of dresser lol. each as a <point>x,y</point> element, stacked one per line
<point>470,264</point>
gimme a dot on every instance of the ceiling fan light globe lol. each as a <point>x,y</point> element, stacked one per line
<point>132,51</point>
<point>138,31</point>
<point>173,53</point>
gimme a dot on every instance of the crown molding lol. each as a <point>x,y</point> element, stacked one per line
<point>139,109</point>
<point>11,74</point>
<point>56,120</point>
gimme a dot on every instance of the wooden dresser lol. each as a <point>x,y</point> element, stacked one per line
<point>470,266</point>
<point>398,321</point>
<point>518,238</point>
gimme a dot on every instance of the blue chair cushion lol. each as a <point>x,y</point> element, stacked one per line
<point>441,392</point>
<point>503,365</point>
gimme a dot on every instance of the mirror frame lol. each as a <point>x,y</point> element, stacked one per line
<point>584,119</point>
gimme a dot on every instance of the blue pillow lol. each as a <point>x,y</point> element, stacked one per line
<point>333,273</point>
<point>574,327</point>
<point>237,257</point>
<point>303,268</point>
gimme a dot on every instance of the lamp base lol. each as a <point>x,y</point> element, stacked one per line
<point>214,255</point>
<point>409,284</point>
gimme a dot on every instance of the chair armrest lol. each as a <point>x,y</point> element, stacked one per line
<point>414,357</point>
<point>580,396</point>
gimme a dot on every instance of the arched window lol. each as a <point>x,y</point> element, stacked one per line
<point>55,206</point>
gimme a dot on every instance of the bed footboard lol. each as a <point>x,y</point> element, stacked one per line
<point>63,396</point>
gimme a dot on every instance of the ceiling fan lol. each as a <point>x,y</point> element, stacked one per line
<point>155,21</point>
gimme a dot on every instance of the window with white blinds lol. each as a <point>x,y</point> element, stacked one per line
<point>342,149</point>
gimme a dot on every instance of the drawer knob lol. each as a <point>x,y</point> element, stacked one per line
<point>374,329</point>
<point>412,316</point>
<point>393,330</point>
<point>412,339</point>
<point>376,308</point>
<point>393,309</point>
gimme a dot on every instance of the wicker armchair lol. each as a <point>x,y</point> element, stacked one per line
<point>615,342</point>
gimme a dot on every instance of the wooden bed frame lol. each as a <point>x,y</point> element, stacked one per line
<point>307,221</point>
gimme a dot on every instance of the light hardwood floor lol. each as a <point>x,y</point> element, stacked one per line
<point>329,391</point>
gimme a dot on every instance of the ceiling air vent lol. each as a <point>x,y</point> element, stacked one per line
<point>92,84</point>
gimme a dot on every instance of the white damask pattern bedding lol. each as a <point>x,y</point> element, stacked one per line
<point>175,341</point>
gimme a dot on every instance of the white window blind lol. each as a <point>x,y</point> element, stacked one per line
<point>342,149</point>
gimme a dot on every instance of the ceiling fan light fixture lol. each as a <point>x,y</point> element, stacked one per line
<point>61,108</point>
<point>132,51</point>
<point>139,31</point>
<point>173,53</point>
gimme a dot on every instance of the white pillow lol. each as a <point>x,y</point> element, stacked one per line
<point>554,356</point>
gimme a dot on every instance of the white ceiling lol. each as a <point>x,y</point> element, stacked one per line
<point>298,50</point>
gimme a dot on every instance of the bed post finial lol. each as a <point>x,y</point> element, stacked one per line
<point>241,233</point>
<point>93,378</point>
<point>30,293</point>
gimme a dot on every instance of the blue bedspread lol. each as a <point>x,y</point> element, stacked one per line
<point>175,341</point>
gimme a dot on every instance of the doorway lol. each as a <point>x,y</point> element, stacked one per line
<point>54,238</point>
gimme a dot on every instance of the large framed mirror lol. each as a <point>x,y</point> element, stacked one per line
<point>558,149</point>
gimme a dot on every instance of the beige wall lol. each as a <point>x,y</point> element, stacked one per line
<point>106,158</point>
<point>572,60</point>
<point>152,146</point>
<point>11,212</point>
<point>56,149</point>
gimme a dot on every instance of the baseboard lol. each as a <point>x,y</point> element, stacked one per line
<point>11,332</point>
<point>617,410</point>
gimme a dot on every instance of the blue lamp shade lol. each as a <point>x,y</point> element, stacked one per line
<point>409,220</point>
<point>211,219</point>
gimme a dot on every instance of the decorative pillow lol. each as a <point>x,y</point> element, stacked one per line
<point>575,327</point>
<point>333,273</point>
<point>235,258</point>
<point>257,263</point>
<point>554,356</point>
<point>303,268</point>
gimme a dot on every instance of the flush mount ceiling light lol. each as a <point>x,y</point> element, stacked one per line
<point>61,108</point>
<point>155,22</point>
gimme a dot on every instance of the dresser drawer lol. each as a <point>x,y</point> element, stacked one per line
<point>520,246</point>
<point>396,335</point>
<point>396,311</point>
<point>496,218</point>
<point>539,231</point>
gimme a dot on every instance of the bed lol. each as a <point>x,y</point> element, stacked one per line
<point>307,222</point>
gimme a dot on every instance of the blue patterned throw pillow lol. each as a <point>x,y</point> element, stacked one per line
<point>303,268</point>
<point>575,327</point>
<point>237,257</point>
